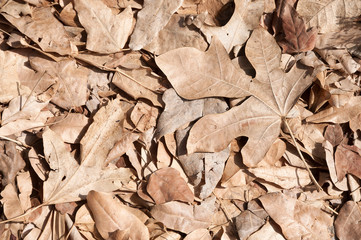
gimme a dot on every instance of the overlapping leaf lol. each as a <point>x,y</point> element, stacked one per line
<point>259,117</point>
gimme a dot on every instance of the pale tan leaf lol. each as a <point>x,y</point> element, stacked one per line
<point>237,30</point>
<point>167,185</point>
<point>109,216</point>
<point>328,15</point>
<point>122,146</point>
<point>347,223</point>
<point>259,117</point>
<point>70,127</point>
<point>340,114</point>
<point>106,32</point>
<point>176,34</point>
<point>199,234</point>
<point>286,177</point>
<point>70,181</point>
<point>297,219</point>
<point>71,80</point>
<point>177,112</point>
<point>182,217</point>
<point>267,232</point>
<point>40,25</point>
<point>206,74</point>
<point>149,24</point>
<point>144,116</point>
<point>11,64</point>
<point>11,202</point>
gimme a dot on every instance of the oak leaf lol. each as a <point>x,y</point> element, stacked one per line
<point>260,116</point>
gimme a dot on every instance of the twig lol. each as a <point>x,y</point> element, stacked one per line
<point>319,188</point>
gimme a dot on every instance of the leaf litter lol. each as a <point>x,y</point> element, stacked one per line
<point>192,120</point>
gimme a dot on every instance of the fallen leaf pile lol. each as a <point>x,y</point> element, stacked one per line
<point>185,119</point>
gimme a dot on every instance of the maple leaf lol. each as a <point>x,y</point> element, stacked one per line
<point>274,93</point>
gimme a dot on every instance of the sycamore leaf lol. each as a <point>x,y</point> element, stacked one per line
<point>296,39</point>
<point>70,181</point>
<point>205,74</point>
<point>151,19</point>
<point>166,185</point>
<point>107,32</point>
<point>109,216</point>
<point>259,117</point>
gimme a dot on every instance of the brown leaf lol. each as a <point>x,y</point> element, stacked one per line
<point>149,24</point>
<point>166,185</point>
<point>347,160</point>
<point>144,116</point>
<point>205,74</point>
<point>40,25</point>
<point>199,234</point>
<point>183,217</point>
<point>297,219</point>
<point>11,162</point>
<point>107,32</point>
<point>347,223</point>
<point>296,38</point>
<point>70,181</point>
<point>109,216</point>
<point>260,116</point>
<point>247,223</point>
<point>334,134</point>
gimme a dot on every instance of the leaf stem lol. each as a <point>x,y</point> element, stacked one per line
<point>319,188</point>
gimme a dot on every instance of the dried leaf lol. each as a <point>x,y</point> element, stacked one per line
<point>183,217</point>
<point>199,234</point>
<point>334,134</point>
<point>298,220</point>
<point>259,117</point>
<point>149,24</point>
<point>10,162</point>
<point>40,25</point>
<point>286,177</point>
<point>109,216</point>
<point>347,223</point>
<point>347,160</point>
<point>206,74</point>
<point>267,232</point>
<point>297,38</point>
<point>107,32</point>
<point>167,185</point>
<point>70,181</point>
<point>247,223</point>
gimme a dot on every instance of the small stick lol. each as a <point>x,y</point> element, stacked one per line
<point>319,188</point>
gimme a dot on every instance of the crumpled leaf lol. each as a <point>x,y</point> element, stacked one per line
<point>237,30</point>
<point>206,74</point>
<point>174,35</point>
<point>167,185</point>
<point>260,116</point>
<point>199,234</point>
<point>267,232</point>
<point>348,221</point>
<point>183,217</point>
<point>40,25</point>
<point>109,216</point>
<point>340,114</point>
<point>149,24</point>
<point>70,181</point>
<point>297,219</point>
<point>106,31</point>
